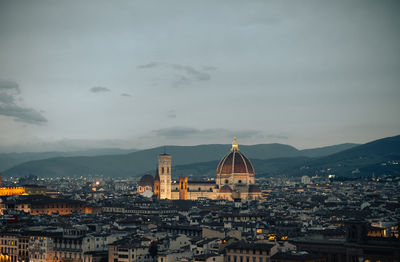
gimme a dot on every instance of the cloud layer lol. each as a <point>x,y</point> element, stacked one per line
<point>184,132</point>
<point>99,89</point>
<point>183,75</point>
<point>9,92</point>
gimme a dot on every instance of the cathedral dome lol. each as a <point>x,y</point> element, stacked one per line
<point>235,162</point>
<point>146,180</point>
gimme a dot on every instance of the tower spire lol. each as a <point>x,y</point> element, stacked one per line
<point>235,146</point>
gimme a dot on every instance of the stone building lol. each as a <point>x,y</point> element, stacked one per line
<point>234,179</point>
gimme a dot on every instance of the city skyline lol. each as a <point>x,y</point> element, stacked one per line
<point>95,74</point>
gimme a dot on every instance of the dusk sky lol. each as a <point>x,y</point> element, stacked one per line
<point>137,74</point>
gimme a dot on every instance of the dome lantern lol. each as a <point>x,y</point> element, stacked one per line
<point>235,146</point>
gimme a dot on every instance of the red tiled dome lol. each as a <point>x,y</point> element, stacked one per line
<point>146,180</point>
<point>235,162</point>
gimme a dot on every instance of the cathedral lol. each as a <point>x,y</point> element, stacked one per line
<point>234,179</point>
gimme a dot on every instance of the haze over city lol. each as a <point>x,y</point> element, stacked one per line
<point>138,74</point>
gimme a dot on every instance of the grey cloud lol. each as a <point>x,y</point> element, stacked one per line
<point>21,114</point>
<point>176,131</point>
<point>126,95</point>
<point>6,98</point>
<point>171,114</point>
<point>190,71</point>
<point>209,68</point>
<point>149,65</point>
<point>274,136</point>
<point>9,85</point>
<point>183,132</point>
<point>181,80</point>
<point>8,94</point>
<point>99,89</point>
<point>66,145</point>
<point>188,74</point>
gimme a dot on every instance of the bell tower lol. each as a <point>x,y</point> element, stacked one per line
<point>164,171</point>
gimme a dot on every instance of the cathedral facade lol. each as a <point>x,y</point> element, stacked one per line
<point>234,179</point>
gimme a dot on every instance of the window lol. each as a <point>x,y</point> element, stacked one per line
<point>162,170</point>
<point>240,181</point>
<point>261,260</point>
<point>226,181</point>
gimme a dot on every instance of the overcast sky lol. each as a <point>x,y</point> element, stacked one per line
<point>137,74</point>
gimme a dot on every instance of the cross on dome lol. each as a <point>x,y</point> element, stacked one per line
<point>235,146</point>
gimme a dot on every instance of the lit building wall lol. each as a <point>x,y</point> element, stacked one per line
<point>10,191</point>
<point>164,171</point>
<point>183,188</point>
<point>22,190</point>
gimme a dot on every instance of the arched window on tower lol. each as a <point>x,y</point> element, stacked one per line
<point>162,170</point>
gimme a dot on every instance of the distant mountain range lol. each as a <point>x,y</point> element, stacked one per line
<point>377,157</point>
<point>8,160</point>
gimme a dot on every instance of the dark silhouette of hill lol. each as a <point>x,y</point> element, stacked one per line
<point>137,163</point>
<point>327,150</point>
<point>379,157</point>
<point>8,160</point>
